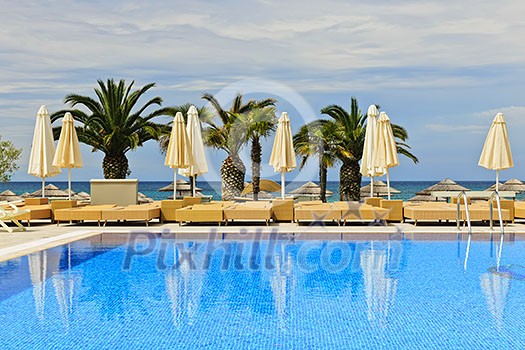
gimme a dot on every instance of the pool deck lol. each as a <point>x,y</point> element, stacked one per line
<point>44,235</point>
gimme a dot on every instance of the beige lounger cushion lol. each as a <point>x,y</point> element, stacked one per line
<point>87,213</point>
<point>249,211</point>
<point>200,213</point>
<point>282,210</point>
<point>144,212</point>
<point>361,211</point>
<point>168,208</point>
<point>519,209</point>
<point>35,212</point>
<point>317,212</point>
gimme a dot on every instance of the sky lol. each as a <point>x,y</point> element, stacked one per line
<point>442,69</point>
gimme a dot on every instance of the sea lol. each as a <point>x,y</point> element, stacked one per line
<point>151,188</point>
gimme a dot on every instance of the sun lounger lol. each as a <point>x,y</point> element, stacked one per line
<point>480,211</point>
<point>35,209</point>
<point>187,201</point>
<point>317,212</point>
<point>519,209</point>
<point>11,215</point>
<point>249,211</point>
<point>62,204</point>
<point>395,207</point>
<point>355,211</point>
<point>86,213</point>
<point>143,212</point>
<point>169,206</point>
<point>448,211</point>
<point>435,211</point>
<point>374,201</point>
<point>209,212</point>
<point>283,210</point>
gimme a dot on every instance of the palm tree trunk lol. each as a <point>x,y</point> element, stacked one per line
<point>350,181</point>
<point>115,166</point>
<point>232,174</point>
<point>322,179</point>
<point>256,152</point>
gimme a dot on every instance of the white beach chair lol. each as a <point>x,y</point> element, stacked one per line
<point>10,215</point>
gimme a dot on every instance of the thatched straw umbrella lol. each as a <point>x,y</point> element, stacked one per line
<point>513,185</point>
<point>9,196</point>
<point>310,190</point>
<point>51,191</point>
<point>82,197</point>
<point>142,198</point>
<point>442,186</point>
<point>493,187</point>
<point>183,189</point>
<point>380,189</point>
<point>426,198</point>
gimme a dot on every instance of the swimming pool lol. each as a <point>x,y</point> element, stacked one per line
<point>113,291</point>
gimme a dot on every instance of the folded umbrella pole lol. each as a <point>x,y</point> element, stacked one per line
<point>368,168</point>
<point>386,152</point>
<point>42,149</point>
<point>496,153</point>
<point>68,154</point>
<point>178,154</point>
<point>283,155</point>
<point>196,148</point>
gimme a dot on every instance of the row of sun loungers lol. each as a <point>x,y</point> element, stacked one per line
<point>478,211</point>
<point>191,210</point>
<point>109,212</point>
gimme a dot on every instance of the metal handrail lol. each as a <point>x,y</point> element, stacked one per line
<point>463,195</point>
<point>495,194</point>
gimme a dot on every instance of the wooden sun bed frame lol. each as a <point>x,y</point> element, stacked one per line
<point>168,207</point>
<point>11,215</point>
<point>439,211</point>
<point>355,211</point>
<point>34,209</point>
<point>394,206</point>
<point>135,212</point>
<point>249,211</point>
<point>312,211</point>
<point>209,212</point>
<point>86,213</point>
<point>519,209</point>
<point>283,210</point>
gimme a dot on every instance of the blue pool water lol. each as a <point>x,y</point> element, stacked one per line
<point>401,294</point>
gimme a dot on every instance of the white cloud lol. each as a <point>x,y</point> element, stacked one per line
<point>404,55</point>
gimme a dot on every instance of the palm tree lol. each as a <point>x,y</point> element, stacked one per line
<point>226,137</point>
<point>350,141</point>
<point>260,122</point>
<point>317,139</point>
<point>111,125</point>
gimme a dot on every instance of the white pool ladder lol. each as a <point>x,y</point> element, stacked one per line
<point>494,195</point>
<point>463,195</point>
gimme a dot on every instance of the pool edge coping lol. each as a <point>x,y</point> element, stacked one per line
<point>22,249</point>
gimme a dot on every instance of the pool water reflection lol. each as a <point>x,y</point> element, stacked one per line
<point>113,291</point>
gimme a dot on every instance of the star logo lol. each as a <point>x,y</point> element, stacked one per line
<point>318,219</point>
<point>352,212</point>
